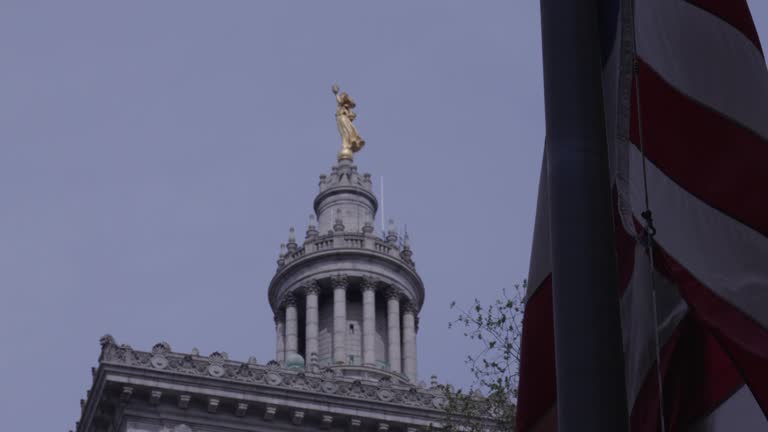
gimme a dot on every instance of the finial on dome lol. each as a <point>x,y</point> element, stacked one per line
<point>351,142</point>
<point>281,258</point>
<point>311,228</point>
<point>292,246</point>
<point>406,253</point>
<point>391,231</point>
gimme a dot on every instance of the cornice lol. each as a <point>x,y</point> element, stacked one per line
<point>320,381</point>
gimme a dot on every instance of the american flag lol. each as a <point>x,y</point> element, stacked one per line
<point>685,91</point>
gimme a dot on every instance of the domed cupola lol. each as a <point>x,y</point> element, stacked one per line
<point>345,297</point>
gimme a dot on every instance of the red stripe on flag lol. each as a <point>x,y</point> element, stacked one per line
<point>743,339</point>
<point>698,377</point>
<point>703,375</point>
<point>713,158</point>
<point>734,12</point>
<point>644,415</point>
<point>537,391</point>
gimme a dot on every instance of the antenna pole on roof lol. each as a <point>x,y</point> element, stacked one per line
<point>383,228</point>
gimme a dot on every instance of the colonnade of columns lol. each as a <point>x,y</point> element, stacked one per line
<point>401,352</point>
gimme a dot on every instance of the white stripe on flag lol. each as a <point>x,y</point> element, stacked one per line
<point>637,322</point>
<point>723,254</point>
<point>739,413</point>
<point>706,59</point>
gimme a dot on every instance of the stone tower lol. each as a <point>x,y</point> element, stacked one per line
<point>345,297</point>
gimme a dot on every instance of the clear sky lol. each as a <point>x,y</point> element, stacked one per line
<point>154,154</point>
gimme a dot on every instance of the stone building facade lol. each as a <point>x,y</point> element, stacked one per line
<point>346,305</point>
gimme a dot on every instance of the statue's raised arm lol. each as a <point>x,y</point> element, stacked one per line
<point>351,142</point>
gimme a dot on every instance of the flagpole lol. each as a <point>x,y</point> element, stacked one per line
<point>591,394</point>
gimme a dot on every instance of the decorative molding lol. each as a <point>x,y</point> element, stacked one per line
<point>393,293</point>
<point>269,413</point>
<point>126,394</point>
<point>410,308</point>
<point>354,424</point>
<point>321,381</point>
<point>161,348</point>
<point>289,300</point>
<point>298,417</point>
<point>340,281</point>
<point>369,283</point>
<point>213,405</point>
<point>183,402</point>
<point>241,409</point>
<point>367,228</point>
<point>311,287</point>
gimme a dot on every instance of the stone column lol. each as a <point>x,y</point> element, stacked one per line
<point>369,321</point>
<point>280,330</point>
<point>291,326</point>
<point>339,283</point>
<point>393,329</point>
<point>409,342</point>
<point>312,290</point>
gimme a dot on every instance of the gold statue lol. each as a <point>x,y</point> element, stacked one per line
<point>350,141</point>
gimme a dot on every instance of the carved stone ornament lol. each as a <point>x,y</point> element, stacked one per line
<point>385,382</point>
<point>329,387</point>
<point>216,370</point>
<point>273,378</point>
<point>243,371</point>
<point>410,308</point>
<point>218,357</point>
<point>439,402</point>
<point>311,287</point>
<point>106,340</point>
<point>161,348</point>
<point>326,381</point>
<point>289,300</point>
<point>159,361</point>
<point>329,373</point>
<point>369,283</point>
<point>385,394</point>
<point>300,381</point>
<point>393,293</point>
<point>339,281</point>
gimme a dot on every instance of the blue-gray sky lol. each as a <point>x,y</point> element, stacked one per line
<point>154,154</point>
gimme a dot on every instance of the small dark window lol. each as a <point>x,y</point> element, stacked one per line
<point>352,328</point>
